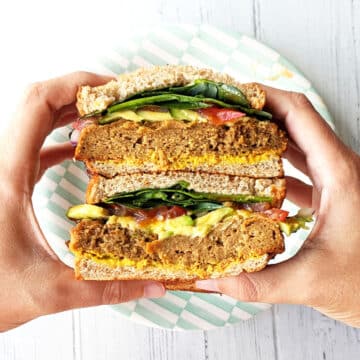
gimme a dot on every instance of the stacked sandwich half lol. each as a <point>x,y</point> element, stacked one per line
<point>186,178</point>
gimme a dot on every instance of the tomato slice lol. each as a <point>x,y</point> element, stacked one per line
<point>219,116</point>
<point>147,216</point>
<point>174,212</point>
<point>256,207</point>
<point>276,214</point>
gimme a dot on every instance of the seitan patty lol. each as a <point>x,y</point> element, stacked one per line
<point>232,239</point>
<point>170,139</point>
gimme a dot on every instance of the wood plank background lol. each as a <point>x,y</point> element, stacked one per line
<point>322,38</point>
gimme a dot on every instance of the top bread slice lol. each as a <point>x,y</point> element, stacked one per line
<point>91,99</point>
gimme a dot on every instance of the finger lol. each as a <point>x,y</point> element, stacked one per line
<point>298,192</point>
<point>36,119</point>
<point>53,155</point>
<point>306,127</point>
<point>296,157</point>
<point>65,115</point>
<point>287,282</point>
<point>71,293</point>
<point>40,109</point>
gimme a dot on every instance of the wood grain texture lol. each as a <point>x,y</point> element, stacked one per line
<point>50,337</point>
<point>251,339</point>
<point>303,333</point>
<point>322,38</point>
<point>120,338</point>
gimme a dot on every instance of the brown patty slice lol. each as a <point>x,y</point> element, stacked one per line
<point>176,145</point>
<point>233,242</point>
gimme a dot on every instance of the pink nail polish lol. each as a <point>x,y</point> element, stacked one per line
<point>209,285</point>
<point>154,290</point>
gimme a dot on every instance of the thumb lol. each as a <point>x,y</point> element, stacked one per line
<point>288,282</point>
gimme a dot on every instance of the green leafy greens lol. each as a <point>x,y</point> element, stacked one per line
<point>200,94</point>
<point>160,99</point>
<point>180,195</point>
<point>210,89</point>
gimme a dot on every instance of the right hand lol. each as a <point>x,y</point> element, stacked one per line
<point>325,274</point>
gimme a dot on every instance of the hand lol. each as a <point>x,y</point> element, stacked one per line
<point>33,281</point>
<point>325,274</point>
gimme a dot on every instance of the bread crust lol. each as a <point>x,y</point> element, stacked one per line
<point>90,99</point>
<point>87,269</point>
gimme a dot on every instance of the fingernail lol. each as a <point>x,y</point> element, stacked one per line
<point>154,290</point>
<point>209,285</point>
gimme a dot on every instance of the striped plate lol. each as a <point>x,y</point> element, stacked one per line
<point>64,185</point>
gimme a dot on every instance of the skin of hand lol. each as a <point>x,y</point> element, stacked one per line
<point>33,280</point>
<point>325,274</point>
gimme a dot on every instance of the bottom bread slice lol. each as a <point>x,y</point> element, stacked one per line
<point>88,269</point>
<point>108,251</point>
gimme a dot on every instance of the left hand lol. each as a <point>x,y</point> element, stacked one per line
<point>33,280</point>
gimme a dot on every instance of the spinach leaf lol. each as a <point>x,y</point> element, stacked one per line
<point>214,90</point>
<point>201,93</point>
<point>151,100</point>
<point>184,102</point>
<point>185,105</point>
<point>206,89</point>
<point>180,195</point>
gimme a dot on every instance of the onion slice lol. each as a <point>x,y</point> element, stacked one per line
<point>77,126</point>
<point>74,137</point>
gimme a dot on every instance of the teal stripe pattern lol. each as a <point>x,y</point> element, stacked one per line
<point>64,185</point>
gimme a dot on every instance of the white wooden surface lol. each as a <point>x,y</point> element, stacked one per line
<point>322,37</point>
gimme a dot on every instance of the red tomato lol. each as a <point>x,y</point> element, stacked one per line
<point>276,214</point>
<point>146,216</point>
<point>219,116</point>
<point>257,207</point>
<point>175,211</point>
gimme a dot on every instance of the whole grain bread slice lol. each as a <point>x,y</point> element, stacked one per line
<point>100,187</point>
<point>87,269</point>
<point>91,99</point>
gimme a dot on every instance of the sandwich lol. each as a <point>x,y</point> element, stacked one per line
<point>186,178</point>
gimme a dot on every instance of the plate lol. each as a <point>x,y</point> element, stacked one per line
<point>64,185</point>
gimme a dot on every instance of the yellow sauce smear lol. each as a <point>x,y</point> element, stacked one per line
<point>201,272</point>
<point>185,161</point>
